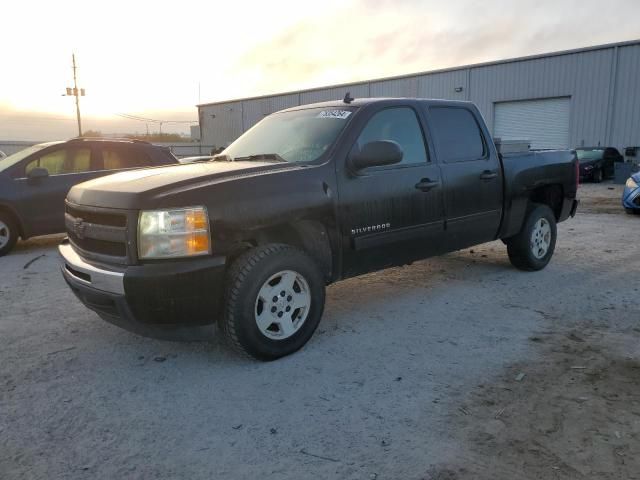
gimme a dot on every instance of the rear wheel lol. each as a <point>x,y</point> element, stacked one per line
<point>533,247</point>
<point>274,301</point>
<point>8,233</point>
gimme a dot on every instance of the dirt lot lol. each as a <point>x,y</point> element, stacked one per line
<point>459,367</point>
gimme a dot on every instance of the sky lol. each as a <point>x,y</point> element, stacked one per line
<point>158,59</point>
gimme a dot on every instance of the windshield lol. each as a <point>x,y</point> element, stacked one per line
<point>296,136</point>
<point>11,160</point>
<point>587,155</point>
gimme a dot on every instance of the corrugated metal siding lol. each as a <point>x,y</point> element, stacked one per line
<point>443,85</point>
<point>255,110</point>
<point>583,76</point>
<point>625,131</point>
<point>402,87</point>
<point>591,98</point>
<point>222,123</point>
<point>586,77</point>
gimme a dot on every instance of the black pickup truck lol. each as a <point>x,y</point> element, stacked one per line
<point>309,196</point>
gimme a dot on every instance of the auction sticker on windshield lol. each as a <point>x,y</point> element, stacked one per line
<point>334,114</point>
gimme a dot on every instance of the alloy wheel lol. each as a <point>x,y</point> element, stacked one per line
<point>282,305</point>
<point>540,238</point>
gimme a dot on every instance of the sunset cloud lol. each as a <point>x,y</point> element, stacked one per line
<point>371,39</point>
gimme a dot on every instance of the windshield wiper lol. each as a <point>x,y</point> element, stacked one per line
<point>261,156</point>
<point>221,158</point>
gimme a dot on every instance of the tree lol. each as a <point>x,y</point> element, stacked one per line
<point>92,133</point>
<point>160,137</point>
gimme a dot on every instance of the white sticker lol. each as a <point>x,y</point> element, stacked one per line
<point>342,114</point>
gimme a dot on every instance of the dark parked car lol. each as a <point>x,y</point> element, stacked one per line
<point>307,197</point>
<point>34,182</point>
<point>597,163</point>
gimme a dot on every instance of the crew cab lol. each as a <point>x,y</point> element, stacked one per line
<point>35,181</point>
<point>308,196</point>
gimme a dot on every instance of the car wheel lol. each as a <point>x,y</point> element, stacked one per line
<point>533,247</point>
<point>273,301</point>
<point>8,233</point>
<point>598,176</point>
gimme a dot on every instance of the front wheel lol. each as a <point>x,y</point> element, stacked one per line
<point>533,247</point>
<point>8,233</point>
<point>273,302</point>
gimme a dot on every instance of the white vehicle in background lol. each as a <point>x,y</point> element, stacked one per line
<point>200,158</point>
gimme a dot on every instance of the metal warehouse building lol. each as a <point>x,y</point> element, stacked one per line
<point>584,97</point>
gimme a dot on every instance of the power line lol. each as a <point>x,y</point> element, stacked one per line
<point>152,120</point>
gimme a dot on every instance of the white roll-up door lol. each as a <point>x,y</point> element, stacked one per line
<point>545,122</point>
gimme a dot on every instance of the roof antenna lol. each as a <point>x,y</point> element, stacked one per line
<point>348,98</point>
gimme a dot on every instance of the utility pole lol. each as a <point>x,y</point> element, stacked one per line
<point>76,92</point>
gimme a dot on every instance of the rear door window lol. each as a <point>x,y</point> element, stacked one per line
<point>63,161</point>
<point>118,158</point>
<point>456,134</point>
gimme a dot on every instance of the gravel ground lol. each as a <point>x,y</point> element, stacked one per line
<point>458,367</point>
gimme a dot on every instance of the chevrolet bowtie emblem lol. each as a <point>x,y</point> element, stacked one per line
<point>78,228</point>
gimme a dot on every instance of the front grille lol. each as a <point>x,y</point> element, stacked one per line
<point>102,247</point>
<point>99,218</point>
<point>99,233</point>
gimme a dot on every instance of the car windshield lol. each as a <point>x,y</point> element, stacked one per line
<point>295,136</point>
<point>586,155</point>
<point>11,160</point>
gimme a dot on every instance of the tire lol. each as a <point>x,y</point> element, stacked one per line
<point>253,292</point>
<point>527,249</point>
<point>598,176</point>
<point>8,233</point>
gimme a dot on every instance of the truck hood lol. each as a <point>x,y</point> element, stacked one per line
<point>126,189</point>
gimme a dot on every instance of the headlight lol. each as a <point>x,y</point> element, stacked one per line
<point>175,233</point>
<point>588,167</point>
<point>631,183</point>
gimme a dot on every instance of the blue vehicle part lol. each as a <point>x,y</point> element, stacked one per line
<point>631,193</point>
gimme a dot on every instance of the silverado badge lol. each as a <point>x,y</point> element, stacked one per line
<point>371,228</point>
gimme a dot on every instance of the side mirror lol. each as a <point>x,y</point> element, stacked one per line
<point>377,154</point>
<point>37,173</point>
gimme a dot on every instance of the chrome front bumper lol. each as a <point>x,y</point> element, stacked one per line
<point>78,271</point>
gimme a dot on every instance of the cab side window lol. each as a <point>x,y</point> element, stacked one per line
<point>456,134</point>
<point>399,125</point>
<point>120,158</point>
<point>58,162</point>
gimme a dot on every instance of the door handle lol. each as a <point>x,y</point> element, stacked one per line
<point>488,175</point>
<point>425,185</point>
